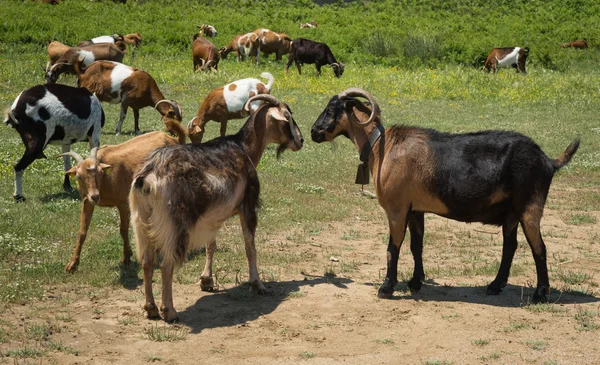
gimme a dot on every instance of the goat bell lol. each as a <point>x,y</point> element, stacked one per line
<point>362,174</point>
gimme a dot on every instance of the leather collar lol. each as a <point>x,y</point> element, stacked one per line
<point>367,147</point>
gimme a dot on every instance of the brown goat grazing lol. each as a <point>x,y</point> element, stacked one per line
<point>244,45</point>
<point>271,42</point>
<point>579,44</point>
<point>104,180</point>
<point>77,58</point>
<point>204,54</point>
<point>507,57</point>
<point>227,102</point>
<point>182,195</point>
<point>494,177</point>
<point>55,51</point>
<point>114,82</point>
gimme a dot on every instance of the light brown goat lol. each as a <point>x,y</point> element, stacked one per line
<point>104,180</point>
<point>244,45</point>
<point>82,57</point>
<point>204,54</point>
<point>271,42</point>
<point>115,82</point>
<point>227,102</point>
<point>55,51</point>
<point>579,44</point>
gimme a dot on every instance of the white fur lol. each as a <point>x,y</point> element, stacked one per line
<point>117,76</point>
<point>87,57</point>
<point>510,59</point>
<point>103,39</point>
<point>237,98</point>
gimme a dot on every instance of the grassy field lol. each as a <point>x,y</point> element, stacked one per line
<point>429,77</point>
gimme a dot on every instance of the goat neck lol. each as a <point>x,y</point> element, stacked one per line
<point>253,135</point>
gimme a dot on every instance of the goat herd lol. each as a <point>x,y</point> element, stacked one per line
<point>178,195</point>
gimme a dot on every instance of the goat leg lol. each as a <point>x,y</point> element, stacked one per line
<point>531,227</point>
<point>67,162</point>
<point>206,280</point>
<point>397,233</point>
<point>87,210</point>
<point>416,224</point>
<point>248,220</point>
<point>509,232</point>
<point>136,119</point>
<point>124,230</point>
<point>167,309</point>
<point>121,118</point>
<point>148,266</point>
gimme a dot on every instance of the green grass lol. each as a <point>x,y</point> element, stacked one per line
<point>166,333</point>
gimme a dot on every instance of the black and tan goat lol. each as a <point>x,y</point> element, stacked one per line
<point>515,57</point>
<point>494,177</point>
<point>53,114</point>
<point>183,194</point>
<point>114,82</point>
<point>104,180</point>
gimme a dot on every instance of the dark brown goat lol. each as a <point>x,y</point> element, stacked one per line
<point>494,177</point>
<point>204,54</point>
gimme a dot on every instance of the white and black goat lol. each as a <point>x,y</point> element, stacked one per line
<point>183,194</point>
<point>114,82</point>
<point>227,102</point>
<point>494,177</point>
<point>53,114</point>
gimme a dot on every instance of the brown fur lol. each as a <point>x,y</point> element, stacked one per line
<point>232,46</point>
<point>134,39</point>
<point>138,91</point>
<point>70,61</point>
<point>579,44</point>
<point>204,54</point>
<point>55,51</point>
<point>271,42</point>
<point>108,185</point>
<point>498,54</point>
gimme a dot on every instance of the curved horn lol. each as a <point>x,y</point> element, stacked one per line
<point>191,122</point>
<point>73,154</point>
<point>266,97</point>
<point>94,154</point>
<point>360,92</point>
<point>173,105</point>
<point>335,64</point>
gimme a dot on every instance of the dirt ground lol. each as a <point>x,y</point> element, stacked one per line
<point>311,318</point>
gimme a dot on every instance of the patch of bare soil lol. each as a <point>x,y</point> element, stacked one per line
<point>325,310</point>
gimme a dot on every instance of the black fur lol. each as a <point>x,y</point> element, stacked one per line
<point>307,51</point>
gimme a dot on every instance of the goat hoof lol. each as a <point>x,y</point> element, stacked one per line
<point>494,288</point>
<point>415,285</point>
<point>151,311</point>
<point>386,290</point>
<point>258,288</point>
<point>207,284</point>
<point>169,314</point>
<point>19,198</point>
<point>540,295</point>
<point>71,267</point>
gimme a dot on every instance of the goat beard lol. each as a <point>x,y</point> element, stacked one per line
<point>280,150</point>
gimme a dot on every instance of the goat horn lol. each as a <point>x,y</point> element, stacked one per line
<point>366,95</point>
<point>266,97</point>
<point>75,155</point>
<point>173,104</point>
<point>191,122</point>
<point>335,64</point>
<point>94,154</point>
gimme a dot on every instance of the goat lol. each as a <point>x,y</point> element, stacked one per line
<point>579,44</point>
<point>105,177</point>
<point>311,24</point>
<point>204,54</point>
<point>494,177</point>
<point>102,39</point>
<point>271,42</point>
<point>133,39</point>
<point>307,51</point>
<point>507,57</point>
<point>207,30</point>
<point>55,51</point>
<point>183,194</point>
<point>53,114</point>
<point>115,82</point>
<point>82,57</point>
<point>244,45</point>
<point>227,102</point>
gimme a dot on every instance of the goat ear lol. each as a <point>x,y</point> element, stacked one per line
<point>276,114</point>
<point>72,171</point>
<point>196,129</point>
<point>105,168</point>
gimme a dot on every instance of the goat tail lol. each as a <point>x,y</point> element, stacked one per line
<point>175,127</point>
<point>268,76</point>
<point>9,119</point>
<point>566,156</point>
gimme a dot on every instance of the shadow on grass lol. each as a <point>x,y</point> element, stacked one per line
<point>512,296</point>
<point>73,194</point>
<point>129,275</point>
<point>240,305</point>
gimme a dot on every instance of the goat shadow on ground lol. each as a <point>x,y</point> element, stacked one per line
<point>128,275</point>
<point>73,194</point>
<point>239,305</point>
<point>512,296</point>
